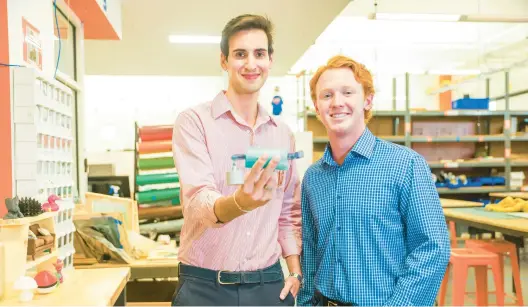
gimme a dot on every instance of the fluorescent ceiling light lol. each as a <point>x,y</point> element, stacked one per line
<point>415,17</point>
<point>194,39</point>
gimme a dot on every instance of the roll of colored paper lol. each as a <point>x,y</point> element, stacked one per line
<point>154,147</point>
<point>162,227</point>
<point>156,163</point>
<point>157,178</point>
<point>155,133</point>
<point>172,212</point>
<point>157,195</point>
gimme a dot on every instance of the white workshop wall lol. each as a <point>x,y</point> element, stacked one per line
<point>114,103</point>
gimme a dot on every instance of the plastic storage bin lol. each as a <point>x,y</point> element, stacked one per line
<point>471,103</point>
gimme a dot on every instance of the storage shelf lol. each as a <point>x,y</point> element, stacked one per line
<point>518,138</point>
<point>27,220</point>
<point>33,263</point>
<point>462,133</point>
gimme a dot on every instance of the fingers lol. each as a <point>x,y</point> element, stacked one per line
<point>270,187</point>
<point>287,287</point>
<point>254,174</point>
<point>266,174</point>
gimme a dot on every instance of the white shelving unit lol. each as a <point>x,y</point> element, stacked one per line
<point>44,141</point>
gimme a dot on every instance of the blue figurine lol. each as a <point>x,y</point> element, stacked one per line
<point>277,102</point>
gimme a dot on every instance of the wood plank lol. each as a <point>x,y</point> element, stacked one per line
<point>456,203</point>
<point>523,195</point>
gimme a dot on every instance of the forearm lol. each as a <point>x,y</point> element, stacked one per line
<point>226,210</point>
<point>294,264</point>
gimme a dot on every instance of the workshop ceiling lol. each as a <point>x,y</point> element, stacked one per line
<point>145,48</point>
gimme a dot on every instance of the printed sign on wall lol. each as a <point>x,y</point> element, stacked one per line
<point>32,44</point>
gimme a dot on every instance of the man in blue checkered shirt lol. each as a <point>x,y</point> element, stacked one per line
<point>374,233</point>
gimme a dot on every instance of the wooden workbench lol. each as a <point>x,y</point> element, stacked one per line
<point>151,281</point>
<point>96,287</point>
<point>492,221</point>
<point>456,203</point>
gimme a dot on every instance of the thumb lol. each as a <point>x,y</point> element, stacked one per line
<point>285,291</point>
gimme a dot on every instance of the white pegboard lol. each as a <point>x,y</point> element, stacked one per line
<point>44,148</point>
<point>43,135</point>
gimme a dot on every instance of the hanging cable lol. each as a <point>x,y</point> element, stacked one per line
<point>58,36</point>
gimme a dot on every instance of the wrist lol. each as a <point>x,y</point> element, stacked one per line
<point>239,207</point>
<point>297,276</point>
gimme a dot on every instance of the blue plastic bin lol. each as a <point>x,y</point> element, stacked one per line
<point>471,104</point>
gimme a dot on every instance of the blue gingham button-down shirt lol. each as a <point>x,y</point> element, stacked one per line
<point>374,233</point>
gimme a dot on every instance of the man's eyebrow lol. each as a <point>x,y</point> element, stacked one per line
<point>258,49</point>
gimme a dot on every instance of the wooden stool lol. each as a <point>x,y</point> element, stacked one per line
<point>460,262</point>
<point>503,248</point>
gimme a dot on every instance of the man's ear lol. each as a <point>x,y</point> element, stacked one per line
<point>271,61</point>
<point>368,102</point>
<point>223,61</point>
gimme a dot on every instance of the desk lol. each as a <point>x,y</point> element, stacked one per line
<point>97,287</point>
<point>492,221</point>
<point>143,268</point>
<point>455,203</point>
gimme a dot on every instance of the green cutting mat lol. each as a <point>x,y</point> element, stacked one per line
<point>489,214</point>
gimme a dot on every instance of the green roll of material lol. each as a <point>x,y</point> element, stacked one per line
<point>156,163</point>
<point>157,195</point>
<point>157,178</point>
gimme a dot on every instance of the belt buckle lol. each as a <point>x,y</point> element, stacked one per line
<point>330,303</point>
<point>219,279</point>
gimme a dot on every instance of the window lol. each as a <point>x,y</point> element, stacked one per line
<point>66,44</point>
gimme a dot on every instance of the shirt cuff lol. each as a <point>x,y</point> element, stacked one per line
<point>208,199</point>
<point>291,245</point>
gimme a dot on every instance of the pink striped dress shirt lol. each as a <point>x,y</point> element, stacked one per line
<point>205,137</point>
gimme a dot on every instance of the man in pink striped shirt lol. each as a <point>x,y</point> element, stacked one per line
<point>233,236</point>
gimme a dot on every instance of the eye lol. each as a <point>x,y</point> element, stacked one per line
<point>240,54</point>
<point>261,54</point>
<point>348,92</point>
<point>326,95</point>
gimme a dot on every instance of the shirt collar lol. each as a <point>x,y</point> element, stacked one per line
<point>221,105</point>
<point>363,147</point>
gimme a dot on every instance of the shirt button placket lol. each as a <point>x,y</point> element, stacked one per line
<point>251,137</point>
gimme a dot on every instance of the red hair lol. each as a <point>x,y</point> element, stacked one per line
<point>361,73</point>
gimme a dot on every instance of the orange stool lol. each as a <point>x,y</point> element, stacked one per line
<point>460,262</point>
<point>452,234</point>
<point>503,248</point>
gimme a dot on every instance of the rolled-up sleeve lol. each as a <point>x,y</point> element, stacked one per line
<point>198,191</point>
<point>290,217</point>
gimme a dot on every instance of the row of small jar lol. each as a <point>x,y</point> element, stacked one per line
<point>64,192</point>
<point>54,119</point>
<point>54,168</point>
<point>55,143</point>
<point>55,96</point>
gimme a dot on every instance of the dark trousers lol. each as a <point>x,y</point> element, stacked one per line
<point>203,287</point>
